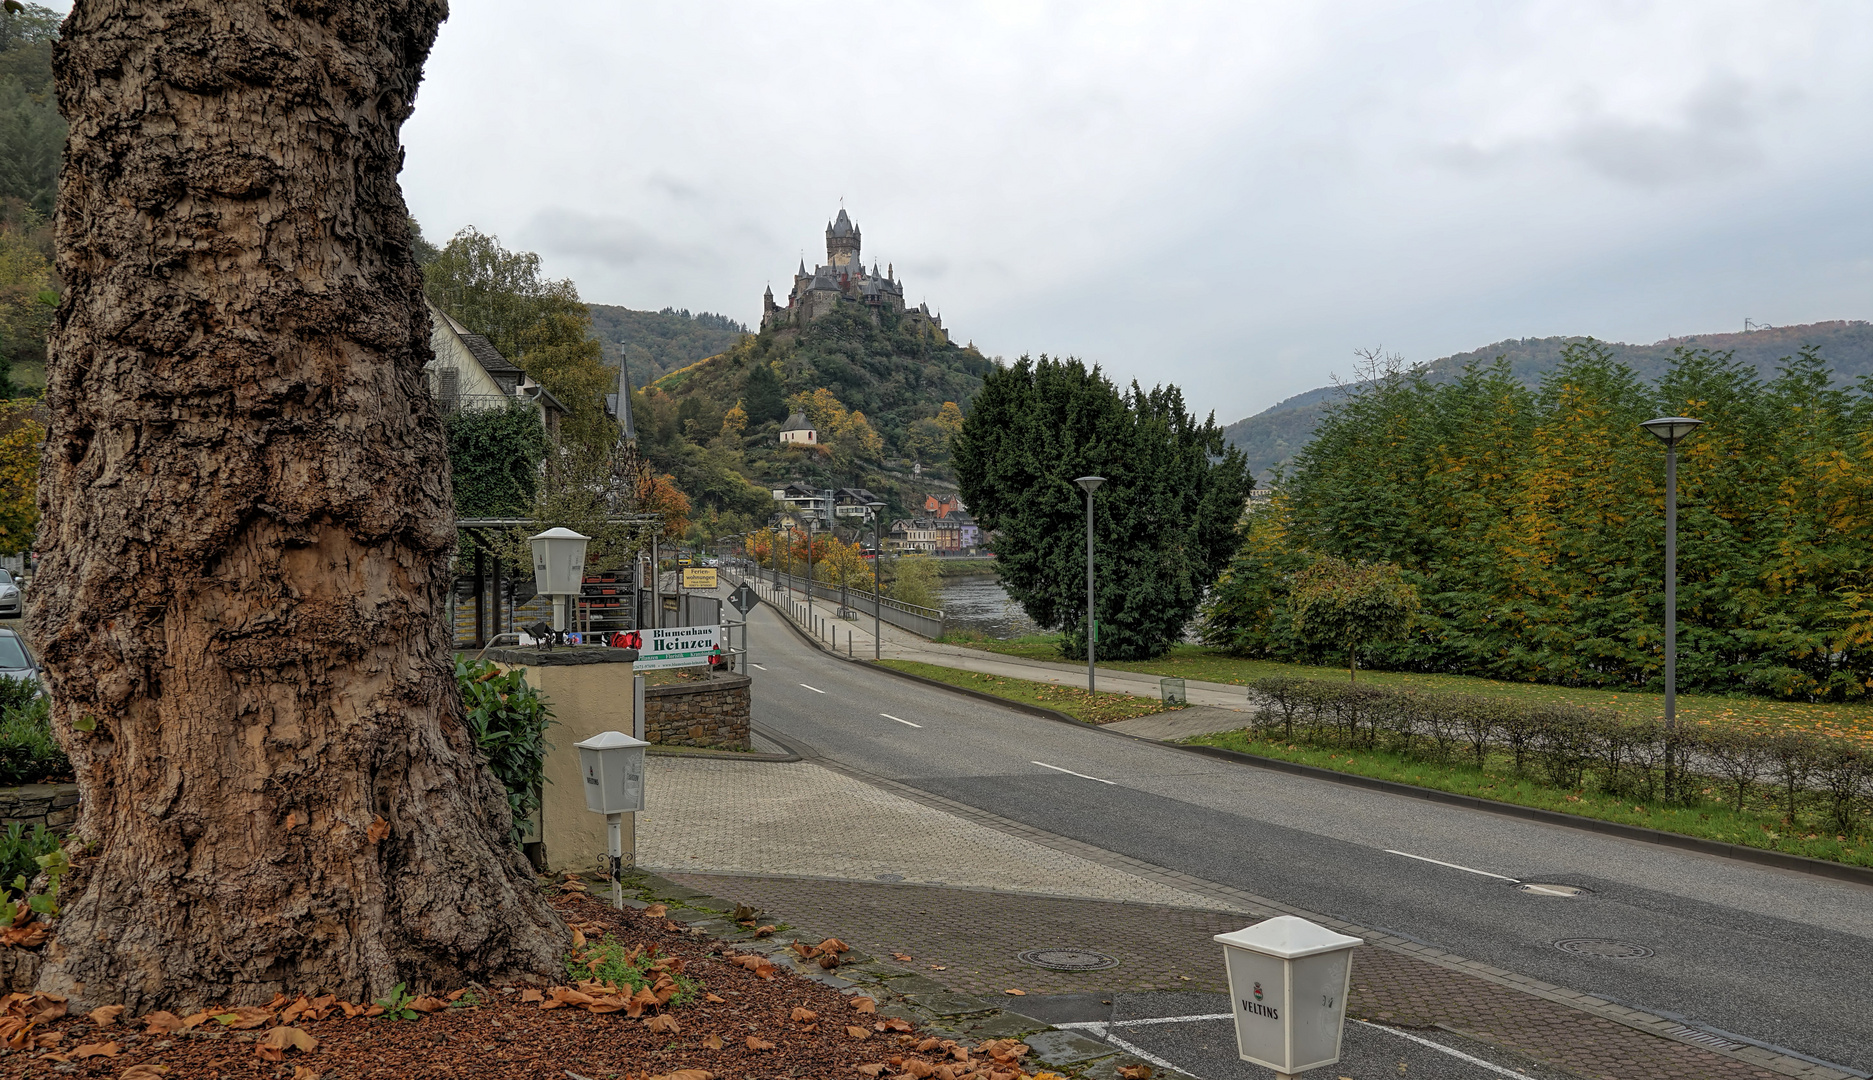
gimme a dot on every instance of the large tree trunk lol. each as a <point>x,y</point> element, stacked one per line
<point>247,512</point>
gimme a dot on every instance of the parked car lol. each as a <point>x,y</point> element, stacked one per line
<point>16,660</point>
<point>11,604</point>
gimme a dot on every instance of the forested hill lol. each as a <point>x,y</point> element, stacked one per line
<point>1275,435</point>
<point>715,425</point>
<point>658,342</point>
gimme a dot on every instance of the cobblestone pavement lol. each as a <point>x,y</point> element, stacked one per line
<point>803,819</point>
<point>968,940</point>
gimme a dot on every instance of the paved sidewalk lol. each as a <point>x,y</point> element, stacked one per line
<point>798,818</point>
<point>855,638</point>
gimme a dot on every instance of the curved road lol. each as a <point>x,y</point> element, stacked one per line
<point>1780,958</point>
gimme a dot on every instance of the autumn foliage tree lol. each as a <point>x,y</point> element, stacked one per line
<point>246,520</point>
<point>1531,522</point>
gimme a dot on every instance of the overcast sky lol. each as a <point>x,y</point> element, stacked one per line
<point>1229,196</point>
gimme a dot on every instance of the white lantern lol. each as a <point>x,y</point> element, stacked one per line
<point>1288,980</point>
<point>559,562</point>
<point>612,764</point>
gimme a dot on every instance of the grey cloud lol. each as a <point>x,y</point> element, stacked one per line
<point>1717,136</point>
<point>610,241</point>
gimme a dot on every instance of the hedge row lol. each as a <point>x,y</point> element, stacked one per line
<point>1569,746</point>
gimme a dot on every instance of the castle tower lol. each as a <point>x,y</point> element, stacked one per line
<point>842,244</point>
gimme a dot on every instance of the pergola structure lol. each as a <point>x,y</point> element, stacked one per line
<point>483,535</point>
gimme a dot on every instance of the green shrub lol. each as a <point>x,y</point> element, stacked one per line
<point>20,850</point>
<point>28,753</point>
<point>508,719</point>
<point>632,969</point>
<point>1566,747</point>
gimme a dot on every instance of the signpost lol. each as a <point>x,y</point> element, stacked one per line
<point>678,646</point>
<point>743,599</point>
<point>700,578</point>
<point>1288,980</point>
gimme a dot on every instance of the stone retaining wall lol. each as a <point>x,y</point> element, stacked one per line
<point>53,805</point>
<point>711,712</point>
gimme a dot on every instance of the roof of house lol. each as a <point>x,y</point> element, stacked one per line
<point>797,422</point>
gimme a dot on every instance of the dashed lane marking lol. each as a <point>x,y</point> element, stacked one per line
<point>1454,866</point>
<point>1070,772</point>
<point>899,719</point>
<point>760,667</point>
<point>815,689</point>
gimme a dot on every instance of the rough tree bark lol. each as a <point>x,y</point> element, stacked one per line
<point>247,513</point>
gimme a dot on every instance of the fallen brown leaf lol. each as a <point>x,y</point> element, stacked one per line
<point>378,830</point>
<point>858,1032</point>
<point>301,1072</point>
<point>829,961</point>
<point>713,1042</point>
<point>657,911</point>
<point>49,1039</point>
<point>864,1005</point>
<point>531,994</point>
<point>804,1015</point>
<point>1135,1072</point>
<point>834,945</point>
<point>759,1044</point>
<point>578,936</point>
<point>686,1074</point>
<point>763,931</point>
<point>714,1000</point>
<point>91,1050</point>
<point>290,1038</point>
<point>1016,993</point>
<point>105,1015</point>
<point>161,1023</point>
<point>147,1072</point>
<point>905,957</point>
<point>871,1070</point>
<point>664,1023</point>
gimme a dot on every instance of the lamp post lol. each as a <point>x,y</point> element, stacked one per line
<point>1090,484</point>
<point>559,568</point>
<point>809,574</point>
<point>1671,430</point>
<point>877,555</point>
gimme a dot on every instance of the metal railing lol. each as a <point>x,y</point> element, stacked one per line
<point>922,621</point>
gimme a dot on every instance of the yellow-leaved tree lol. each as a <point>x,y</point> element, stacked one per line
<point>22,434</point>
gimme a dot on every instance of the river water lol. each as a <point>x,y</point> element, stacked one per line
<point>979,603</point>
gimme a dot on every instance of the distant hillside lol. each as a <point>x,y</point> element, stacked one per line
<point>1272,437</point>
<point>898,373</point>
<point>658,342</point>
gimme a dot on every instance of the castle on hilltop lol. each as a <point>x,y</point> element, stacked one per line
<point>844,280</point>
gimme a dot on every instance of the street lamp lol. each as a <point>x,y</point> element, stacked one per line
<point>1671,430</point>
<point>877,555</point>
<point>559,568</point>
<point>1090,484</point>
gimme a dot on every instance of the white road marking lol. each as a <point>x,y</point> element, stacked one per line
<point>1546,891</point>
<point>1147,1020</point>
<point>1136,1051</point>
<point>1454,866</point>
<point>899,719</point>
<point>1070,772</point>
<point>1452,1051</point>
<point>1102,1029</point>
<point>759,667</point>
<point>815,689</point>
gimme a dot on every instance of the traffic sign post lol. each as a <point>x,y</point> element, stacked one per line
<point>699,578</point>
<point>1288,979</point>
<point>743,599</point>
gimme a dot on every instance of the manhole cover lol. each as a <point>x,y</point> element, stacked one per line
<point>1603,949</point>
<point>1549,889</point>
<point>1067,959</point>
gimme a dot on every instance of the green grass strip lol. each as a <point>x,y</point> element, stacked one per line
<point>1100,708</point>
<point>1197,662</point>
<point>1762,822</point>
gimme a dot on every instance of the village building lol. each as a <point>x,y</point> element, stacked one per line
<point>467,372</point>
<point>799,430</point>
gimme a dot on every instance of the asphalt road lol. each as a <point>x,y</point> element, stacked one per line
<point>1777,957</point>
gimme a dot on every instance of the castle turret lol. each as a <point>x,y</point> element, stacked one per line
<point>842,243</point>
